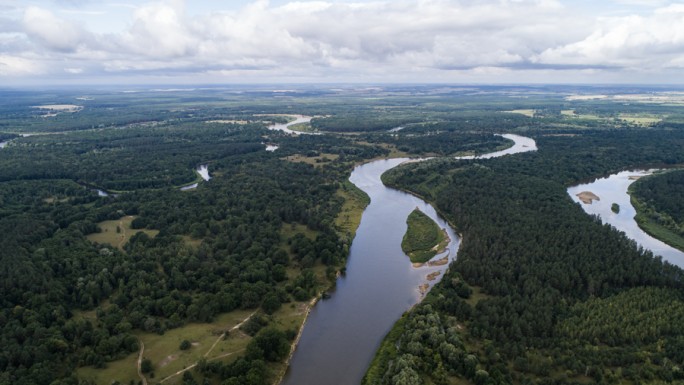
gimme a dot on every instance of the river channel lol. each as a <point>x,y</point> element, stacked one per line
<point>613,189</point>
<point>343,332</point>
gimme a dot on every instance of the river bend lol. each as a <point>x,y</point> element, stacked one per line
<point>613,189</point>
<point>342,333</point>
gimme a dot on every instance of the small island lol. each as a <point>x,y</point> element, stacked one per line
<point>423,239</point>
<point>615,208</point>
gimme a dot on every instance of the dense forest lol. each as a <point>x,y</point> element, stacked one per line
<point>533,295</point>
<point>88,279</point>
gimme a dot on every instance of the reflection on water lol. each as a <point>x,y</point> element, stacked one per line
<point>613,189</point>
<point>342,333</point>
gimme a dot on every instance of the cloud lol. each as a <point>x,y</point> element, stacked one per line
<point>17,66</point>
<point>52,32</point>
<point>632,42</point>
<point>158,31</point>
<point>407,39</point>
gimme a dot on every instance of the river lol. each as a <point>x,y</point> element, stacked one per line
<point>203,172</point>
<point>343,332</point>
<point>298,119</point>
<point>613,189</point>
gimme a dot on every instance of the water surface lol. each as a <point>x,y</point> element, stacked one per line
<point>342,333</point>
<point>613,189</point>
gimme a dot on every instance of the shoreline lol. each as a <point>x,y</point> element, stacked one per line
<point>295,343</point>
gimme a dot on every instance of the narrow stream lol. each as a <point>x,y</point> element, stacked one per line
<point>342,333</point>
<point>613,189</point>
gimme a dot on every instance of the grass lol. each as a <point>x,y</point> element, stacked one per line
<point>651,227</point>
<point>659,232</point>
<point>476,296</point>
<point>166,356</point>
<point>423,239</point>
<point>302,127</point>
<point>111,236</point>
<point>316,161</point>
<point>289,230</point>
<point>123,371</point>
<point>641,119</point>
<point>349,217</point>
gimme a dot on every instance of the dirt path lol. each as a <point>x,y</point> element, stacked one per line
<point>140,358</point>
<point>222,336</point>
<point>178,373</point>
<point>123,235</point>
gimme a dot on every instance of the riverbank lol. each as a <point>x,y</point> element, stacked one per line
<point>647,218</point>
<point>614,189</point>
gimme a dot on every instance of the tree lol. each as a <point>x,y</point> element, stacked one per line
<point>146,365</point>
<point>271,303</point>
<point>185,345</point>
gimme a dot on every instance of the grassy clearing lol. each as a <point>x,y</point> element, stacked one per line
<point>641,119</point>
<point>659,232</point>
<point>123,371</point>
<point>349,218</point>
<point>166,356</point>
<point>476,296</point>
<point>423,239</point>
<point>191,241</point>
<point>302,127</point>
<point>111,236</point>
<point>289,230</point>
<point>316,161</point>
<point>646,221</point>
<point>528,113</point>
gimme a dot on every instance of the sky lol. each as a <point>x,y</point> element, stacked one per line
<point>80,42</point>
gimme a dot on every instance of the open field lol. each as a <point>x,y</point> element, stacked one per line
<point>641,119</point>
<point>166,356</point>
<point>118,232</point>
<point>528,113</point>
<point>316,161</point>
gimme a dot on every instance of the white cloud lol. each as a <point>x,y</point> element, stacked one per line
<point>421,39</point>
<point>51,31</point>
<point>18,66</point>
<point>633,41</point>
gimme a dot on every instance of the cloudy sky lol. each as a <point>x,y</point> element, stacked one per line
<point>331,41</point>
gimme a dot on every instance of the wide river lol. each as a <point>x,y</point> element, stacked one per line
<point>343,332</point>
<point>613,189</point>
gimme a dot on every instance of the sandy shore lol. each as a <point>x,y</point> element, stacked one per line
<point>588,197</point>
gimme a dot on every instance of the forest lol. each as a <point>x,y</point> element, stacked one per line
<point>533,294</point>
<point>243,254</point>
